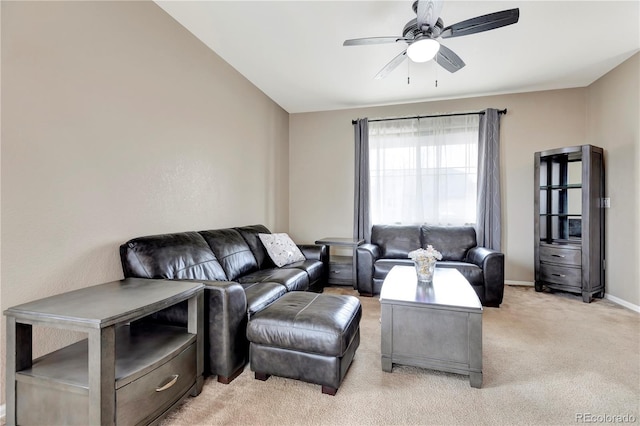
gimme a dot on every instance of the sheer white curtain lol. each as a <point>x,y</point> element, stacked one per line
<point>424,170</point>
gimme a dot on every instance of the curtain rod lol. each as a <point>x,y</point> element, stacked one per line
<point>501,111</point>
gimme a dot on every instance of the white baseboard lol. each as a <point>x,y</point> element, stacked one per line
<point>622,302</point>
<point>525,283</point>
<point>607,296</point>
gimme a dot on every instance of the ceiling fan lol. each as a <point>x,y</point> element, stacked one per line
<point>421,33</point>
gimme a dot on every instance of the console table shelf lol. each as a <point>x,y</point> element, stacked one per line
<point>126,372</point>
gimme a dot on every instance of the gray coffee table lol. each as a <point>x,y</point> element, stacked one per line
<point>436,326</point>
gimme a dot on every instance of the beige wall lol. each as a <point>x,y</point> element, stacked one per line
<point>118,123</point>
<point>322,151</point>
<point>614,124</point>
<point>605,114</point>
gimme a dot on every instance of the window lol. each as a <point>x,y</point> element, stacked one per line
<point>424,170</point>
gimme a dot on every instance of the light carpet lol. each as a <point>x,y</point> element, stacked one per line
<point>547,359</point>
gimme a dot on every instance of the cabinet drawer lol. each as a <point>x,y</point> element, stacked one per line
<point>149,396</point>
<point>341,270</point>
<point>561,275</point>
<point>561,255</point>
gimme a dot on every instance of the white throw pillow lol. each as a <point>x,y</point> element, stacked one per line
<point>281,249</point>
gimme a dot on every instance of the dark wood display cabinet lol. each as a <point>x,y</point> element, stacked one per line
<point>569,224</point>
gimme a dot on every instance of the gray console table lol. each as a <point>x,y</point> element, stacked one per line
<point>434,325</point>
<point>125,372</point>
<point>342,269</point>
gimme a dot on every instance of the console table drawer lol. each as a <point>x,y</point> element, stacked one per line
<point>561,255</point>
<point>561,275</point>
<point>341,270</point>
<point>147,397</point>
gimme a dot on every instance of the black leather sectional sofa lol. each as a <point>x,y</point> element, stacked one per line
<point>240,280</point>
<point>390,246</point>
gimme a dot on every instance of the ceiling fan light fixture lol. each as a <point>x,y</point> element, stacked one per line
<point>423,50</point>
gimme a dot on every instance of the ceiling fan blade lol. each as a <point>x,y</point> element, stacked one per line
<point>372,40</point>
<point>428,12</point>
<point>448,60</point>
<point>482,23</point>
<point>391,65</point>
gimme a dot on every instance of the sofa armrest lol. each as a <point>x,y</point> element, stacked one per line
<point>366,256</point>
<point>318,252</point>
<point>492,264</point>
<point>225,320</point>
<point>315,251</point>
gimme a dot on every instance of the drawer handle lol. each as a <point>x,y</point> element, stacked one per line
<point>169,384</point>
<point>557,255</point>
<point>335,272</point>
<point>559,275</point>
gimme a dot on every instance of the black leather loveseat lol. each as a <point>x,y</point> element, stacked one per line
<point>240,280</point>
<point>390,245</point>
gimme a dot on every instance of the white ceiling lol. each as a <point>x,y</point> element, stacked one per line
<point>292,50</point>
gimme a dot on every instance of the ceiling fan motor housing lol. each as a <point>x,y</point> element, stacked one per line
<point>411,30</point>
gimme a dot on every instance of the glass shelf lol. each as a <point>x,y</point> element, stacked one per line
<point>560,187</point>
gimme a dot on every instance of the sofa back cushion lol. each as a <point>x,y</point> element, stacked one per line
<point>183,255</point>
<point>396,241</point>
<point>250,235</point>
<point>452,241</point>
<point>232,252</point>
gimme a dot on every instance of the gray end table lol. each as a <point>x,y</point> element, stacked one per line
<point>125,372</point>
<point>342,269</point>
<point>434,325</point>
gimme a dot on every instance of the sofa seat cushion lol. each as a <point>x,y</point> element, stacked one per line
<point>313,268</point>
<point>471,272</point>
<point>261,295</point>
<point>382,266</point>
<point>293,279</point>
<point>306,322</point>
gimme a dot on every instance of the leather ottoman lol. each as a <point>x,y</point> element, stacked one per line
<point>306,336</point>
